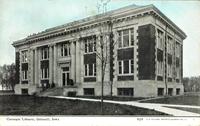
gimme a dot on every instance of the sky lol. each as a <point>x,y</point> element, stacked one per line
<point>20,18</point>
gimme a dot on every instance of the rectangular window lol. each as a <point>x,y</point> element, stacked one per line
<point>178,50</point>
<point>169,58</point>
<point>120,67</point>
<point>94,66</point>
<point>86,70</point>
<point>169,45</point>
<point>159,55</point>
<point>90,44</point>
<point>90,70</point>
<point>169,70</point>
<point>45,53</point>
<point>132,65</point>
<point>86,46</point>
<point>177,91</point>
<point>160,68</point>
<point>126,67</point>
<point>45,73</point>
<point>160,92</point>
<point>88,91</point>
<point>94,46</point>
<point>126,38</point>
<point>125,91</point>
<point>132,36</point>
<point>160,41</point>
<point>24,91</point>
<point>24,56</point>
<point>65,50</point>
<point>24,74</point>
<point>177,62</point>
<point>170,91</point>
<point>119,40</point>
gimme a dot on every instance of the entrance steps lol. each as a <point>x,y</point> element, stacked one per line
<point>57,91</point>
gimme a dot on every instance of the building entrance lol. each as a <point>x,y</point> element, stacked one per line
<point>65,76</point>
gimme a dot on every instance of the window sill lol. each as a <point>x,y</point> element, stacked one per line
<point>45,79</point>
<point>65,56</point>
<point>90,52</point>
<point>126,74</point>
<point>89,76</point>
<point>125,47</point>
<point>24,79</point>
<point>44,59</point>
<point>24,62</point>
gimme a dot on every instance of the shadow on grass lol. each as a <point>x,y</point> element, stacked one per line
<point>31,105</point>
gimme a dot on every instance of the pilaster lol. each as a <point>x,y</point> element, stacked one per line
<point>31,66</point>
<point>135,58</point>
<point>36,67</point>
<point>55,80</point>
<point>50,64</point>
<point>73,60</point>
<point>78,61</point>
<point>98,61</point>
<point>30,69</point>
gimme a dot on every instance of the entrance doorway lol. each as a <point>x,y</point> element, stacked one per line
<point>65,76</point>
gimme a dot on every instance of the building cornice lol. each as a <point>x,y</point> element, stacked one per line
<point>119,15</point>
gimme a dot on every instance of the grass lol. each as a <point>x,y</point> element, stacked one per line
<point>178,100</point>
<point>31,105</point>
<point>113,98</point>
<point>194,110</point>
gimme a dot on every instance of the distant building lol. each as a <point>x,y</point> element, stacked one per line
<point>148,61</point>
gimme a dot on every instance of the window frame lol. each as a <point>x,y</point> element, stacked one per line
<point>90,41</point>
<point>44,73</point>
<point>24,56</point>
<point>87,69</point>
<point>160,39</point>
<point>130,37</point>
<point>130,65</point>
<point>46,49</point>
<point>65,47</point>
<point>24,75</point>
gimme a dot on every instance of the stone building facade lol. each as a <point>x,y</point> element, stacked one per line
<point>145,54</point>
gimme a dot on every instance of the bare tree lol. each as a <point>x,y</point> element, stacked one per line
<point>7,76</point>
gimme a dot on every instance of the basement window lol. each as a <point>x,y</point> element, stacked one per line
<point>170,91</point>
<point>125,91</point>
<point>24,91</point>
<point>177,91</point>
<point>160,91</point>
<point>88,91</point>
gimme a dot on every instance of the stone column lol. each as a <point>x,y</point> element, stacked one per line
<point>73,60</point>
<point>36,66</point>
<point>55,65</point>
<point>98,61</point>
<point>20,67</point>
<point>78,60</point>
<point>39,68</point>
<point>50,64</point>
<point>30,68</point>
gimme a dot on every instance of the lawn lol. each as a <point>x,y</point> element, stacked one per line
<point>31,105</point>
<point>179,100</point>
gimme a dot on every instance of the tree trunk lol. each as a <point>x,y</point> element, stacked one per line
<point>102,84</point>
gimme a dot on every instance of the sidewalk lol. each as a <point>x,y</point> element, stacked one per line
<point>158,107</point>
